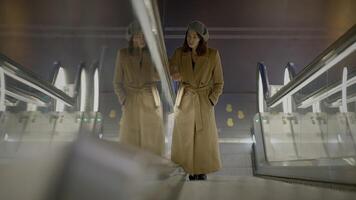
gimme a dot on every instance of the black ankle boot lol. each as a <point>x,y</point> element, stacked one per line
<point>193,177</point>
<point>201,177</point>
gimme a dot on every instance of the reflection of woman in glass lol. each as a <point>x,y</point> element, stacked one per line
<point>198,68</point>
<point>135,80</point>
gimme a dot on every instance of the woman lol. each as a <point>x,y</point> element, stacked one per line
<point>135,80</point>
<point>198,68</point>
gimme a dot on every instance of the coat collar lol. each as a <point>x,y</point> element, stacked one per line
<point>136,59</point>
<point>200,64</point>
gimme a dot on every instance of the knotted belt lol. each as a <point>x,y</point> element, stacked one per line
<point>145,89</point>
<point>184,88</point>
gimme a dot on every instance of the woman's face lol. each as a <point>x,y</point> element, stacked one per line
<point>192,39</point>
<point>138,40</point>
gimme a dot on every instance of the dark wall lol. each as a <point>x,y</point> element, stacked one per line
<point>274,31</point>
<point>261,13</point>
<point>38,32</point>
<point>103,13</point>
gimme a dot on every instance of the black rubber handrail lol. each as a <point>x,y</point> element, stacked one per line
<point>56,66</point>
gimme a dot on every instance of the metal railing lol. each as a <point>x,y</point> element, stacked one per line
<point>341,48</point>
<point>19,73</point>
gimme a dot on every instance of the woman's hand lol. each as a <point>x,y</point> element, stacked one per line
<point>176,76</point>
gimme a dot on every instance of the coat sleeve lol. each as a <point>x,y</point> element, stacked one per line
<point>218,80</point>
<point>174,62</point>
<point>119,78</point>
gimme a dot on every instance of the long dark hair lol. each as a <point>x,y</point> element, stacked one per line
<point>202,46</point>
<point>132,48</point>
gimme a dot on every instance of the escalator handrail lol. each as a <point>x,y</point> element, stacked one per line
<point>341,44</point>
<point>18,70</point>
<point>94,66</point>
<point>53,77</point>
<point>291,69</point>
<point>148,16</point>
<point>261,67</point>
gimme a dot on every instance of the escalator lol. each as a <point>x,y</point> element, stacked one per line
<point>305,129</point>
<point>40,157</point>
<point>39,122</point>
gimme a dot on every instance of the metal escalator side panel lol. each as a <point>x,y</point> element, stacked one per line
<point>309,137</point>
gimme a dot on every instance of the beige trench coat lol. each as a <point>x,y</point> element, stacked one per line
<point>141,122</point>
<point>195,140</point>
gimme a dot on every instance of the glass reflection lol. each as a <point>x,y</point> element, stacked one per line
<point>322,124</point>
<point>135,83</point>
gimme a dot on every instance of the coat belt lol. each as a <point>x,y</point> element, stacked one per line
<point>194,90</point>
<point>146,89</point>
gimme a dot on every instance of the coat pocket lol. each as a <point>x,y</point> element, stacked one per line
<point>209,102</point>
<point>179,97</point>
<point>156,97</point>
